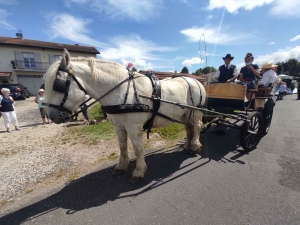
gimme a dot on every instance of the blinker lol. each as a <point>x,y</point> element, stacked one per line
<point>59,85</point>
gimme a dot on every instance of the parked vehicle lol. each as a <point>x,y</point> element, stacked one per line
<point>17,91</point>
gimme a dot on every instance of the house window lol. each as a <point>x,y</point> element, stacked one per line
<point>57,58</point>
<point>29,62</point>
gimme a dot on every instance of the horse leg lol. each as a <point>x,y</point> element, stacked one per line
<point>189,136</point>
<point>196,122</point>
<point>136,136</point>
<point>123,159</point>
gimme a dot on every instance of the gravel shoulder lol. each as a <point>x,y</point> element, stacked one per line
<point>34,161</point>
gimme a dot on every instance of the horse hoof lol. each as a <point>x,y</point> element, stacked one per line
<point>117,172</point>
<point>135,180</point>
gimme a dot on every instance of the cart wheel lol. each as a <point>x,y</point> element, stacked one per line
<point>267,115</point>
<point>251,132</point>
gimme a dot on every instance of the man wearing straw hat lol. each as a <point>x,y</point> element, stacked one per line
<point>227,72</point>
<point>269,75</point>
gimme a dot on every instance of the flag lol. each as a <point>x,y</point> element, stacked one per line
<point>129,66</point>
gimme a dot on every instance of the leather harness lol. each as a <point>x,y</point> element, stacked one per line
<point>63,87</point>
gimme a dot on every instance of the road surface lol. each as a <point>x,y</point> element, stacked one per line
<point>221,185</point>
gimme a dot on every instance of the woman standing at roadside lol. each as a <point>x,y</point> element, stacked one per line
<point>40,99</point>
<point>7,109</point>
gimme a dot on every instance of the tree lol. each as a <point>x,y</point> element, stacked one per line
<point>208,69</point>
<point>279,68</point>
<point>134,69</point>
<point>292,65</point>
<point>198,72</point>
<point>184,70</point>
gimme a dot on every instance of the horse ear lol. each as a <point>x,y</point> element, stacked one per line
<point>65,61</point>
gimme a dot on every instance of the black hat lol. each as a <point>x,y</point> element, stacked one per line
<point>228,56</point>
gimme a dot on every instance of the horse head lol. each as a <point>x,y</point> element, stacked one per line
<point>64,91</point>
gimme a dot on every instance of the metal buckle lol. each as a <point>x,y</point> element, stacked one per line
<point>62,115</point>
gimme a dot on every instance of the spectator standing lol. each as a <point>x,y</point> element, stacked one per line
<point>7,110</point>
<point>40,99</point>
<point>84,108</point>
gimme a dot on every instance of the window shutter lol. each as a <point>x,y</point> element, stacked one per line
<point>38,62</point>
<point>19,60</point>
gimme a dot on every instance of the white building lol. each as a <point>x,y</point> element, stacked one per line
<point>26,61</point>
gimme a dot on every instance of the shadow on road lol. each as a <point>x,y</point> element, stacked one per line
<point>97,188</point>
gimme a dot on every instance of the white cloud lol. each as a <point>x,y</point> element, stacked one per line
<point>233,6</point>
<point>295,38</point>
<point>138,63</point>
<point>3,20</point>
<point>211,35</point>
<point>286,8</point>
<point>126,47</point>
<point>140,10</point>
<point>190,62</point>
<point>72,28</point>
<point>281,55</point>
<point>271,43</point>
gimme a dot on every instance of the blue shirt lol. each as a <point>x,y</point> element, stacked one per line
<point>247,73</point>
<point>7,105</point>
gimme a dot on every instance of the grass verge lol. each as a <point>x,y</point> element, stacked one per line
<point>172,132</point>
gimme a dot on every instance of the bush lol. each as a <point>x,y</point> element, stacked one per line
<point>96,113</point>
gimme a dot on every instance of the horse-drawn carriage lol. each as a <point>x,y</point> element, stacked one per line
<point>135,103</point>
<point>234,106</point>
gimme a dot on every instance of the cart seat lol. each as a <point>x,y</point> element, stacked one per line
<point>263,92</point>
<point>225,95</point>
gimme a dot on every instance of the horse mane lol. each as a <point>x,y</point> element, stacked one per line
<point>106,66</point>
<point>49,77</point>
<point>93,62</point>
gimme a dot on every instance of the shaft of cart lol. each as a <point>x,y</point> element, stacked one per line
<point>190,107</point>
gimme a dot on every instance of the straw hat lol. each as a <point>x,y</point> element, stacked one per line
<point>41,90</point>
<point>268,66</point>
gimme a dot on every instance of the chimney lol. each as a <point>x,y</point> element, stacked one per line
<point>19,35</point>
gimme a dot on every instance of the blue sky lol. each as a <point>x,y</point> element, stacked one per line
<point>162,34</point>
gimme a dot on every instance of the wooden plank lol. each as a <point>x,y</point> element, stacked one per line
<point>226,91</point>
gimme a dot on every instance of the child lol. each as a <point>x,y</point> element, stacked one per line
<point>85,111</point>
<point>40,99</point>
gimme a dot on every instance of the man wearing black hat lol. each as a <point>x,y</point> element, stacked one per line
<point>227,72</point>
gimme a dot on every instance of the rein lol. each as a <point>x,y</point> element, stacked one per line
<point>63,87</point>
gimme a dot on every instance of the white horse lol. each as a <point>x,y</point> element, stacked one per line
<point>99,76</point>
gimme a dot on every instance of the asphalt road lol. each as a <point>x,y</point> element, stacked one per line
<point>221,185</point>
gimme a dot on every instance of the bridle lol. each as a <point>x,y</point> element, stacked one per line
<point>62,86</point>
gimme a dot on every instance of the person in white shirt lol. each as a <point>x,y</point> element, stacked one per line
<point>282,90</point>
<point>269,75</point>
<point>84,108</point>
<point>226,73</point>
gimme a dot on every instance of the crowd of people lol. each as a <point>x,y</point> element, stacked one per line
<point>8,113</point>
